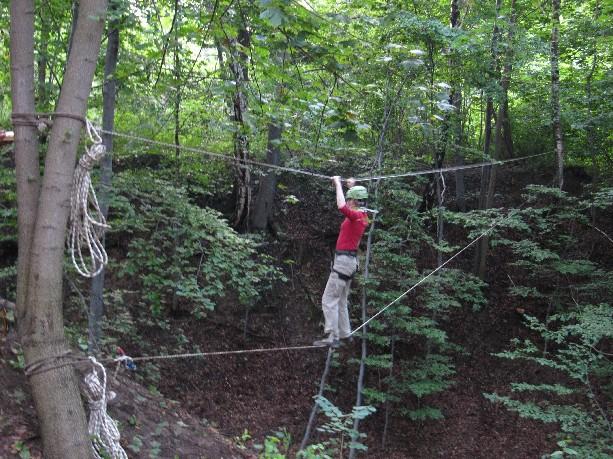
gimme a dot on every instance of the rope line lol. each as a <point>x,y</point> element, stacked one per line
<point>448,169</point>
<point>87,227</point>
<point>242,163</point>
<point>213,353</point>
<point>37,119</point>
<point>423,279</point>
<point>102,428</point>
<point>245,163</point>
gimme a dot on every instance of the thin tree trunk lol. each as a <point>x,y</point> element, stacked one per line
<point>388,407</point>
<point>485,174</point>
<point>591,135</point>
<point>176,114</point>
<point>26,146</point>
<point>177,85</point>
<point>242,177</point>
<point>505,83</point>
<point>364,354</point>
<point>455,99</point>
<point>555,91</point>
<point>109,92</point>
<point>55,391</point>
<point>501,141</point>
<point>322,386</point>
<point>378,163</point>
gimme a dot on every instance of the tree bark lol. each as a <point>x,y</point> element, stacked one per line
<point>41,65</point>
<point>555,91</point>
<point>455,99</point>
<point>263,209</point>
<point>499,142</point>
<point>109,92</point>
<point>505,83</point>
<point>242,177</point>
<point>44,213</point>
<point>591,135</point>
<point>487,136</point>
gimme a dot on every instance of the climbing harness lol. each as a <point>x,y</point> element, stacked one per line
<point>102,428</point>
<point>342,276</point>
<point>87,226</point>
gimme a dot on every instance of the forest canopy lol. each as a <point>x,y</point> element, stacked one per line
<point>482,131</point>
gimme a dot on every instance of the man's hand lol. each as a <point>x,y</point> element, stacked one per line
<point>350,182</point>
<point>336,180</point>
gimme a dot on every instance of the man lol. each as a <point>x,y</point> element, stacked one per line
<point>334,300</point>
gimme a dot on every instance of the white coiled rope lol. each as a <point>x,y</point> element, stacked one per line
<point>102,428</point>
<point>87,226</point>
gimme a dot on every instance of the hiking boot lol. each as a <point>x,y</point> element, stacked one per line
<point>329,340</point>
<point>347,339</point>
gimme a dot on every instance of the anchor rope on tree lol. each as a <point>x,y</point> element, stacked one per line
<point>87,222</point>
<point>102,428</point>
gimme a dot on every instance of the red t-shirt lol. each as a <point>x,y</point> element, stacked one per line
<point>352,228</point>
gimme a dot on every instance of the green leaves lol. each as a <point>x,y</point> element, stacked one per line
<point>182,255</point>
<point>274,15</point>
<point>341,425</point>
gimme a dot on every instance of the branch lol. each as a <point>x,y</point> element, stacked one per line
<point>601,232</point>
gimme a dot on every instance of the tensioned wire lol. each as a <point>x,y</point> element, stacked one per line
<point>431,273</point>
<point>291,348</point>
<point>46,366</point>
<point>246,163</point>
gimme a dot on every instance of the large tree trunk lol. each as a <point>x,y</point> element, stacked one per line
<point>555,91</point>
<point>43,214</point>
<point>263,209</point>
<point>109,91</point>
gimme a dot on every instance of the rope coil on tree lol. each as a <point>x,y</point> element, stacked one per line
<point>87,222</point>
<point>102,428</point>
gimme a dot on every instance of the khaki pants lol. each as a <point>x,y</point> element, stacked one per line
<point>334,300</point>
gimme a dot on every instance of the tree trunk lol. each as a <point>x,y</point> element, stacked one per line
<point>263,209</point>
<point>242,177</point>
<point>43,214</point>
<point>41,65</point>
<point>322,386</point>
<point>177,84</point>
<point>499,136</point>
<point>487,136</point>
<point>388,405</point>
<point>455,99</point>
<point>591,135</point>
<point>505,83</point>
<point>109,92</point>
<point>555,91</point>
<point>377,166</point>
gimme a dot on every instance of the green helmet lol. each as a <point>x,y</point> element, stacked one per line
<point>359,193</point>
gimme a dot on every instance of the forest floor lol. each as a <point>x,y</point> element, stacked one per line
<point>218,399</point>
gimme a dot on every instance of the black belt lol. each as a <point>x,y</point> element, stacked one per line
<point>351,253</point>
<point>342,276</point>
